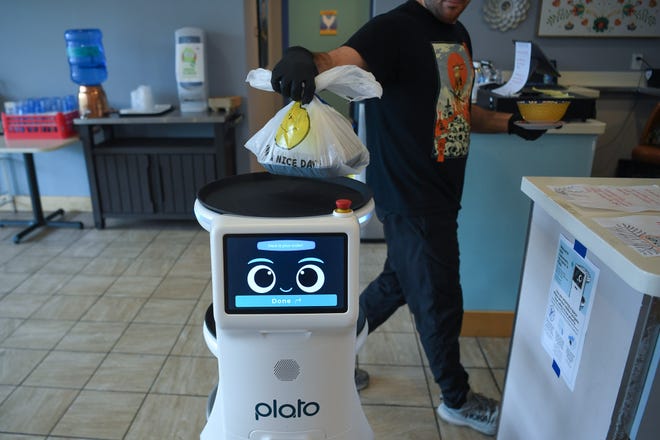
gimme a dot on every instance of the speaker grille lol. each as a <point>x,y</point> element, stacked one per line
<point>286,370</point>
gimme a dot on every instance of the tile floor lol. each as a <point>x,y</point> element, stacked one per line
<point>100,338</point>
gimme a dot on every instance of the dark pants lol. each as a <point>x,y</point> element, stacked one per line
<point>422,270</point>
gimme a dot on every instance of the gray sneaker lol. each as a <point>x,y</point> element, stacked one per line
<point>478,412</point>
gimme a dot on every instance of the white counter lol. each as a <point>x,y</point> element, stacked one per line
<point>592,373</point>
<point>639,272</point>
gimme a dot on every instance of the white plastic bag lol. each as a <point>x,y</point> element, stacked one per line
<point>314,140</point>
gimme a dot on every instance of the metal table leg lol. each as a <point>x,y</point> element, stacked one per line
<point>38,219</point>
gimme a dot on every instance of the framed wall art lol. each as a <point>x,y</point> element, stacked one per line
<point>599,18</point>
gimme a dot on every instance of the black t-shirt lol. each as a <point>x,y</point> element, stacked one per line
<point>419,131</point>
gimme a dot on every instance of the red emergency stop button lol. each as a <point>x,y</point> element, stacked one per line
<point>343,206</point>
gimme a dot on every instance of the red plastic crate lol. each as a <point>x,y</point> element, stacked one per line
<point>39,126</point>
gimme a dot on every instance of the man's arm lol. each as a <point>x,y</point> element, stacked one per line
<point>342,56</point>
<point>488,121</point>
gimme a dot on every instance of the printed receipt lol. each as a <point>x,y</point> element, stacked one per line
<point>520,73</point>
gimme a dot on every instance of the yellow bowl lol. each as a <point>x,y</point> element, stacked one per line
<point>543,111</point>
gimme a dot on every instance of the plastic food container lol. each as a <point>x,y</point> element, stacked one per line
<point>40,125</point>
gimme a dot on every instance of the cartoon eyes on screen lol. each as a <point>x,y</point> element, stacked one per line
<point>309,278</point>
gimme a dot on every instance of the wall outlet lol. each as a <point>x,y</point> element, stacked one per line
<point>636,62</point>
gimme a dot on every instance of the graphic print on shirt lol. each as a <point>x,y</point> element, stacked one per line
<point>452,121</point>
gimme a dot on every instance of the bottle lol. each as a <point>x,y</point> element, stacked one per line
<point>86,56</point>
<point>190,65</point>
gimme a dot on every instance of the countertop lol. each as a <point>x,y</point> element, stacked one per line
<point>171,117</point>
<point>590,126</point>
<point>640,272</point>
<point>34,145</point>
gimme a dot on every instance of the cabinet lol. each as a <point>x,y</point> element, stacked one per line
<point>142,167</point>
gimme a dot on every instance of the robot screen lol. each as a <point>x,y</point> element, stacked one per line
<point>285,273</point>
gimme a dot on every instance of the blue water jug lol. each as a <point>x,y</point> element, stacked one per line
<point>86,56</point>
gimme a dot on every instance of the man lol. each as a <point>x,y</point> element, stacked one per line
<point>418,138</point>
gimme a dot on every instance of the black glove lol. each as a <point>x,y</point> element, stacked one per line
<point>528,135</point>
<point>293,76</point>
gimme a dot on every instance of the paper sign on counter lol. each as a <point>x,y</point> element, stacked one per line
<point>567,314</point>
<point>615,198</point>
<point>640,232</point>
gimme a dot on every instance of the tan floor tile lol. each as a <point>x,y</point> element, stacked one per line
<point>102,236</point>
<point>194,267</point>
<point>97,414</point>
<point>390,348</point>
<point>123,249</point>
<point>91,285</point>
<point>191,343</point>
<point>187,375</point>
<point>180,288</point>
<point>43,284</point>
<point>24,264</point>
<point>8,250</point>
<point>114,309</point>
<point>126,372</point>
<point>150,267</point>
<point>16,364</point>
<point>44,249</point>
<point>460,432</point>
<point>11,281</point>
<point>482,381</point>
<point>107,266</point>
<point>402,423</point>
<point>199,248</point>
<point>5,390</point>
<point>65,369</point>
<point>64,265</point>
<point>64,307</point>
<point>396,386</point>
<point>148,338</point>
<point>92,336</point>
<point>134,286</point>
<point>38,333</point>
<point>471,355</point>
<point>22,437</point>
<point>57,235</point>
<point>198,314</point>
<point>32,410</point>
<point>180,236</point>
<point>165,311</point>
<point>163,249</point>
<point>84,249</point>
<point>169,417</point>
<point>496,351</point>
<point>500,375</point>
<point>134,235</point>
<point>8,325</point>
<point>20,305</point>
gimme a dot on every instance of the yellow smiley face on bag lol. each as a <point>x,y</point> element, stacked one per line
<point>294,127</point>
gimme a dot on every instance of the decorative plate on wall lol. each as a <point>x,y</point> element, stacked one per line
<point>504,15</point>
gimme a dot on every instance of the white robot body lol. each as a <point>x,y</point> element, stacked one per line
<point>286,356</point>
